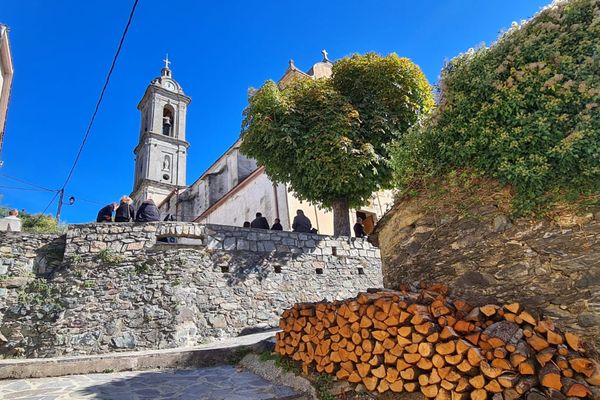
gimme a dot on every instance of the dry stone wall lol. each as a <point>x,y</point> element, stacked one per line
<point>129,287</point>
<point>23,256</point>
<point>550,267</point>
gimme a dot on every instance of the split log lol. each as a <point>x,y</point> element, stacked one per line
<point>572,388</point>
<point>549,377</point>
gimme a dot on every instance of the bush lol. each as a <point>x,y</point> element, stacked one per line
<point>525,111</point>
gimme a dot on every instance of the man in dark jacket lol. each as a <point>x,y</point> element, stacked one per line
<point>359,229</point>
<point>277,225</point>
<point>147,212</point>
<point>301,222</point>
<point>125,212</point>
<point>105,213</point>
<point>259,222</point>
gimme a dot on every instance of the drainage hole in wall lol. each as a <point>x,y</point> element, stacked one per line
<point>278,269</point>
<point>334,251</point>
<point>225,269</point>
<point>361,271</point>
<point>319,271</point>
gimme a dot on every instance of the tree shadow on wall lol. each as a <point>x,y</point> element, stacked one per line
<point>254,266</point>
<point>213,383</point>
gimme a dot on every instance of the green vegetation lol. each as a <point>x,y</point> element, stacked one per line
<point>285,363</point>
<point>39,292</point>
<point>239,354</point>
<point>108,256</point>
<point>323,385</point>
<point>328,138</point>
<point>524,112</point>
<point>35,223</point>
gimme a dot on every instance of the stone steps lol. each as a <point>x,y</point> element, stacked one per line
<point>216,353</point>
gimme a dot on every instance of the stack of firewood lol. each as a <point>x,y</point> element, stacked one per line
<point>404,341</point>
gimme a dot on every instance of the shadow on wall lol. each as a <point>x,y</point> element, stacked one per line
<point>50,257</point>
<point>222,382</point>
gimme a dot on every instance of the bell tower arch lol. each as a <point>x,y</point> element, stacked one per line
<point>160,156</point>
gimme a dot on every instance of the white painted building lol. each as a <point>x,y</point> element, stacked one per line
<point>234,188</point>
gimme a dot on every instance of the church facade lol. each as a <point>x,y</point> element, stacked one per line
<point>234,188</point>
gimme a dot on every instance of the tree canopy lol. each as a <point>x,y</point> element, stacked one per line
<point>524,111</point>
<point>328,139</point>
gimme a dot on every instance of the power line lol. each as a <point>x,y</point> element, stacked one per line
<point>27,183</point>
<point>49,204</point>
<point>22,188</point>
<point>110,71</point>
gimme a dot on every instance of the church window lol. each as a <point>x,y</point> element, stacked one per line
<point>167,125</point>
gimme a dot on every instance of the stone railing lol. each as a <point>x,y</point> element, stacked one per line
<point>128,286</point>
<point>130,239</point>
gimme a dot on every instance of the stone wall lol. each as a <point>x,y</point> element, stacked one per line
<point>23,256</point>
<point>121,288</point>
<point>551,267</point>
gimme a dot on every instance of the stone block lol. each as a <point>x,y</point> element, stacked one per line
<point>135,246</point>
<point>229,244</point>
<point>213,244</point>
<point>243,244</point>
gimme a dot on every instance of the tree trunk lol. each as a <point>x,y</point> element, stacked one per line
<point>341,218</point>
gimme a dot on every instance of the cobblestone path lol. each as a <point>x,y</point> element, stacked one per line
<point>215,383</point>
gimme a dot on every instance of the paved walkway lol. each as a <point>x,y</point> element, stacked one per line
<point>215,383</point>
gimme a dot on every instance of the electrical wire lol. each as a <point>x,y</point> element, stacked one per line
<point>27,183</point>
<point>49,204</point>
<point>22,188</point>
<point>110,71</point>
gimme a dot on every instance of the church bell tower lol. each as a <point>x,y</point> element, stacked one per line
<point>160,156</point>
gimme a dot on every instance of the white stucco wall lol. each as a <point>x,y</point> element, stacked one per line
<point>257,195</point>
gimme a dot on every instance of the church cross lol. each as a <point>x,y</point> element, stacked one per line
<point>167,62</point>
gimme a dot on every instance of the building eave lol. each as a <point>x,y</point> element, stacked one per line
<point>255,174</point>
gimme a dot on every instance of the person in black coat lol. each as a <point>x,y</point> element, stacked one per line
<point>105,213</point>
<point>125,212</point>
<point>359,229</point>
<point>259,222</point>
<point>301,223</point>
<point>277,225</point>
<point>147,212</point>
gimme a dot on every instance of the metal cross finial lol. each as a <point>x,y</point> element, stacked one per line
<point>167,62</point>
<point>325,54</point>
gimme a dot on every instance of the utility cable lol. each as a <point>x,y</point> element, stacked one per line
<point>48,206</point>
<point>110,71</point>
<point>27,183</point>
<point>23,188</point>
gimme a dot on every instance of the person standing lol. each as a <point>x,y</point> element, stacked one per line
<point>301,223</point>
<point>259,222</point>
<point>13,215</point>
<point>125,211</point>
<point>277,225</point>
<point>147,212</point>
<point>105,213</point>
<point>359,229</point>
<point>12,221</point>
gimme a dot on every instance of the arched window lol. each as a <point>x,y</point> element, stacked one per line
<point>167,125</point>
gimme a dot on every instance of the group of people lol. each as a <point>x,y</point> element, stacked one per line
<point>148,212</point>
<point>124,212</point>
<point>301,223</point>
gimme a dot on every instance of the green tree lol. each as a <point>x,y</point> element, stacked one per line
<point>524,111</point>
<point>328,139</point>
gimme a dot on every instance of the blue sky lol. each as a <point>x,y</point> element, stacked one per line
<point>63,49</point>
